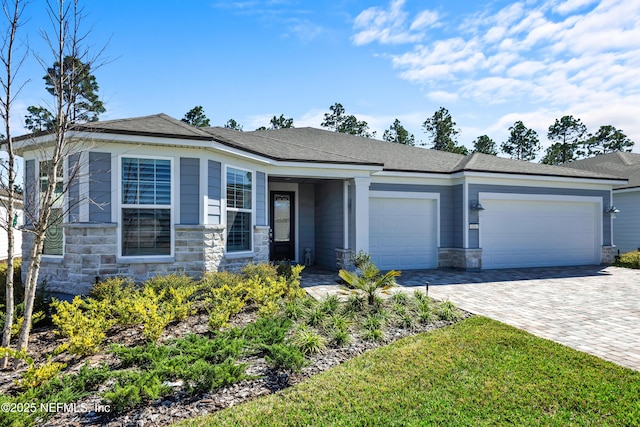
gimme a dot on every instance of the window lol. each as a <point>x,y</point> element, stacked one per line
<point>54,240</point>
<point>146,207</point>
<point>239,210</point>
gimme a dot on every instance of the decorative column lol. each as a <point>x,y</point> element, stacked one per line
<point>361,226</point>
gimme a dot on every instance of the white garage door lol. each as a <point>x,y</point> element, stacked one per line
<point>539,233</point>
<point>403,233</point>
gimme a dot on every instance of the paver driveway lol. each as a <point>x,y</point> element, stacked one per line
<point>593,309</point>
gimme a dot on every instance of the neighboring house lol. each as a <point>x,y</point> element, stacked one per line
<point>154,195</point>
<point>626,197</point>
<point>14,223</point>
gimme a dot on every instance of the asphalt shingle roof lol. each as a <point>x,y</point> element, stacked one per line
<point>317,145</point>
<point>322,146</point>
<point>625,165</point>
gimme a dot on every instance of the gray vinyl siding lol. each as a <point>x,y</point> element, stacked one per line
<point>30,190</point>
<point>261,203</point>
<point>626,225</point>
<point>474,189</point>
<point>450,217</point>
<point>214,187</point>
<point>73,172</point>
<point>329,222</point>
<point>306,220</point>
<point>100,187</point>
<point>189,190</point>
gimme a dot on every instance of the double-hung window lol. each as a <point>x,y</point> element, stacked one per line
<point>54,240</point>
<point>239,210</point>
<point>146,206</point>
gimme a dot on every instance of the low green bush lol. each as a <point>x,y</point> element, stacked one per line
<point>282,356</point>
<point>629,260</point>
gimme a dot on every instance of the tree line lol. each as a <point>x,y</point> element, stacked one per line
<point>569,137</point>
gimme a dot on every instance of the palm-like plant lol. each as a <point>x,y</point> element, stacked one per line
<point>369,280</point>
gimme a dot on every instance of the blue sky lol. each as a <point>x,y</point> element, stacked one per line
<point>489,63</point>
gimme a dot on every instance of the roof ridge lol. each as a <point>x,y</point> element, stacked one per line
<point>182,124</point>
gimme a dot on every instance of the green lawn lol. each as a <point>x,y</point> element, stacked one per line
<point>477,372</point>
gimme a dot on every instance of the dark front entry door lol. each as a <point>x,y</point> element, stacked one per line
<point>282,226</point>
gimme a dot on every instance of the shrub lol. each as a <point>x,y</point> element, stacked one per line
<point>262,270</point>
<point>112,289</point>
<point>293,310</point>
<point>339,322</point>
<point>359,259</point>
<point>355,304</point>
<point>84,322</point>
<point>375,335</point>
<point>316,316</point>
<point>369,280</point>
<point>308,341</point>
<point>146,308</point>
<point>420,296</point>
<point>373,322</point>
<point>264,332</point>
<point>329,304</point>
<point>406,321</point>
<point>204,376</point>
<point>226,293</point>
<point>282,356</point>
<point>425,312</point>
<point>35,375</point>
<point>400,298</point>
<point>131,387</point>
<point>629,260</point>
<point>446,310</point>
<point>339,337</point>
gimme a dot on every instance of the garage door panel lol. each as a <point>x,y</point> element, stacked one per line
<point>522,233</point>
<point>403,233</point>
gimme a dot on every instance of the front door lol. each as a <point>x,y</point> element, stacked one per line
<point>282,226</point>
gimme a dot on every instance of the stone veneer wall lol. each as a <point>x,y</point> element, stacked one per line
<point>466,259</point>
<point>90,256</point>
<point>609,254</point>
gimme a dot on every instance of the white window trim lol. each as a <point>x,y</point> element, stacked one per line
<point>171,207</point>
<point>59,205</point>
<point>223,220</point>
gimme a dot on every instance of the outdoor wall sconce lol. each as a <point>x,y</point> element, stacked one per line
<point>612,211</point>
<point>476,206</point>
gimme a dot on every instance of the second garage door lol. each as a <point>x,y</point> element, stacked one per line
<point>403,232</point>
<point>539,233</point>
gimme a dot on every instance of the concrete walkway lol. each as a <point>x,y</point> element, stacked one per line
<point>593,309</point>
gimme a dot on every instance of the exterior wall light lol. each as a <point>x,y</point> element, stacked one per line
<point>476,206</point>
<point>612,211</point>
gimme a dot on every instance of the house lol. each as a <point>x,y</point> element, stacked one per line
<point>626,197</point>
<point>153,195</point>
<point>13,223</point>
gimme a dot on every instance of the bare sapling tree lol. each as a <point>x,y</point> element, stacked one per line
<point>13,12</point>
<point>71,62</point>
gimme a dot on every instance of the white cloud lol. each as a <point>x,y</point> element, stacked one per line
<point>544,58</point>
<point>442,96</point>
<point>572,6</point>
<point>391,26</point>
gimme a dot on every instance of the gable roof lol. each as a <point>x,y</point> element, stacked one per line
<point>626,165</point>
<point>322,146</point>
